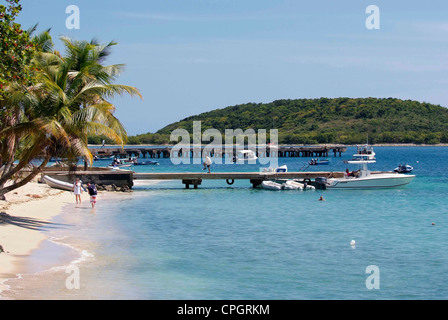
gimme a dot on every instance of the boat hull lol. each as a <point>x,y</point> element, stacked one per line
<point>292,185</point>
<point>119,166</point>
<point>57,184</point>
<point>270,185</point>
<point>321,163</point>
<point>371,182</point>
<point>403,169</point>
<point>146,163</point>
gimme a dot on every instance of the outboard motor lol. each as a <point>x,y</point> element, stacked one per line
<point>321,183</point>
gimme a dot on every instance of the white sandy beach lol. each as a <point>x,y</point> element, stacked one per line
<point>24,216</point>
<point>27,208</point>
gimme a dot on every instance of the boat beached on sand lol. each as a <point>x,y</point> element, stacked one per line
<point>57,184</point>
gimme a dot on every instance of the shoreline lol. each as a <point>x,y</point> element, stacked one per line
<point>31,250</point>
<point>26,212</point>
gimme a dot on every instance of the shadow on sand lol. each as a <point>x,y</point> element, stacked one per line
<point>28,223</point>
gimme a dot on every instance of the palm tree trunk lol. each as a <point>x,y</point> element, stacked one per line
<point>4,190</point>
<point>85,164</point>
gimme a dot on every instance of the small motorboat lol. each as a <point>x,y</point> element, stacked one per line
<point>145,163</point>
<point>128,160</point>
<point>315,162</point>
<point>246,155</point>
<point>119,166</point>
<point>404,168</point>
<point>283,168</point>
<point>57,184</point>
<point>120,163</point>
<point>271,185</point>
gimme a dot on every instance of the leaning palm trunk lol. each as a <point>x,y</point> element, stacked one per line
<point>20,169</point>
<point>23,180</point>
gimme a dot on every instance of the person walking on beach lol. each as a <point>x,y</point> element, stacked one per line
<point>207,163</point>
<point>91,188</point>
<point>77,190</point>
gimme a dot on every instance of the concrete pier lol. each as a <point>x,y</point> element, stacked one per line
<point>125,178</point>
<point>195,179</point>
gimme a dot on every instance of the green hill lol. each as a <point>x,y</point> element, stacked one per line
<point>312,121</point>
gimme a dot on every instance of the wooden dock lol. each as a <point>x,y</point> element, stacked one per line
<point>192,152</point>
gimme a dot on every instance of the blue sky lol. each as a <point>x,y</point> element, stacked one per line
<point>192,56</point>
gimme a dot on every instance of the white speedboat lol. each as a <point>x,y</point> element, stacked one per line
<point>365,180</point>
<point>246,155</point>
<point>363,153</point>
<point>57,184</point>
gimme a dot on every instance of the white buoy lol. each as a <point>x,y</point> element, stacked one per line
<point>352,243</point>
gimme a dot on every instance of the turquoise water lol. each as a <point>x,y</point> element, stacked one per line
<point>234,242</point>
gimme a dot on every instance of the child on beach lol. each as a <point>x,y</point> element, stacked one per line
<point>77,190</point>
<point>91,188</point>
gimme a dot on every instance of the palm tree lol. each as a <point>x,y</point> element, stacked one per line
<point>67,103</point>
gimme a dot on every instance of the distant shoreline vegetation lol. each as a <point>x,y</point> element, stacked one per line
<point>346,121</point>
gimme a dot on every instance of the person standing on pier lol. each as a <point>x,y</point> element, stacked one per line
<point>207,163</point>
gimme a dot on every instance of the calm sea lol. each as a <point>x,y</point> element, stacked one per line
<point>235,242</point>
